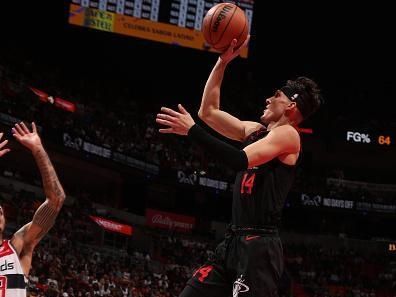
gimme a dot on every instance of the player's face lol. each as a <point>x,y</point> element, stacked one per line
<point>275,107</point>
<point>2,220</point>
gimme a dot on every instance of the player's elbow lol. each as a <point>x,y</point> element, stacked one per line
<point>207,113</point>
<point>57,201</point>
<point>61,199</point>
<point>60,195</point>
<point>202,114</point>
<point>206,117</point>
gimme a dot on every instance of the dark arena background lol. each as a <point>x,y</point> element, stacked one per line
<point>145,210</point>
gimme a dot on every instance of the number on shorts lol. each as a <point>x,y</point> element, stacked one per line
<point>203,272</point>
<point>3,285</point>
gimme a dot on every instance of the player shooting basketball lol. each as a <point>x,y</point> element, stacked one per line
<point>249,261</point>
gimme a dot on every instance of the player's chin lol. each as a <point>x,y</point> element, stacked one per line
<point>264,119</point>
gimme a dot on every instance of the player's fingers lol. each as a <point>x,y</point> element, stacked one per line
<point>234,42</point>
<point>230,49</point>
<point>3,152</point>
<point>2,144</point>
<point>232,45</point>
<point>14,131</point>
<point>25,129</point>
<point>19,130</point>
<point>17,136</point>
<point>165,117</point>
<point>166,131</point>
<point>170,111</point>
<point>165,122</point>
<point>34,127</point>
<point>1,135</point>
<point>182,109</point>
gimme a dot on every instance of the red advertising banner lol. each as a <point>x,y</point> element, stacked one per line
<point>58,102</point>
<point>168,220</point>
<point>112,225</point>
<point>42,95</point>
<point>64,104</point>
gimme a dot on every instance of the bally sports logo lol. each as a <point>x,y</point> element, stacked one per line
<point>167,220</point>
<point>158,219</point>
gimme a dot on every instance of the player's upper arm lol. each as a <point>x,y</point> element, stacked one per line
<point>25,237</point>
<point>226,124</point>
<point>280,140</point>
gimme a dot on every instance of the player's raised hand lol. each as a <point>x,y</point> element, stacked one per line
<point>3,150</point>
<point>232,51</point>
<point>28,138</point>
<point>176,122</point>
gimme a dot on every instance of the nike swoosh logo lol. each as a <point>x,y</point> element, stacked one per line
<point>249,237</point>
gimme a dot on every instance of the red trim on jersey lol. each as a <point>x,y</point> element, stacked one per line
<point>250,237</point>
<point>5,249</point>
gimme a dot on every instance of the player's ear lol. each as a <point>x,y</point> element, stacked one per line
<point>291,109</point>
<point>292,105</point>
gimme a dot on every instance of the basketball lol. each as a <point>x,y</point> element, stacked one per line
<point>222,23</point>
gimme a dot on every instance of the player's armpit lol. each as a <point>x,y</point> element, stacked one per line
<point>17,239</point>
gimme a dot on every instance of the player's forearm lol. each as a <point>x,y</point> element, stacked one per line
<point>211,95</point>
<point>233,157</point>
<point>51,185</point>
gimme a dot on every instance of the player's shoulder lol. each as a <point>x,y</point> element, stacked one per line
<point>288,135</point>
<point>286,130</point>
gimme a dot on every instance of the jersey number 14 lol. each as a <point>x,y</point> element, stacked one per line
<point>247,183</point>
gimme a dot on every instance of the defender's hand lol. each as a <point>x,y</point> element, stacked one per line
<point>3,150</point>
<point>27,138</point>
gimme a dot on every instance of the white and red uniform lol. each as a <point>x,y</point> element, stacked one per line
<point>13,282</point>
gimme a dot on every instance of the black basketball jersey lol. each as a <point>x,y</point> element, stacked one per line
<point>260,192</point>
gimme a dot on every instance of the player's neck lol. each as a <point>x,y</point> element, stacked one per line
<point>281,122</point>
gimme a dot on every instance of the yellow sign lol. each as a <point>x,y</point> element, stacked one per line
<point>100,20</point>
<point>141,28</point>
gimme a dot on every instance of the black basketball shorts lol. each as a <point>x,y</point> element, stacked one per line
<point>243,266</point>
